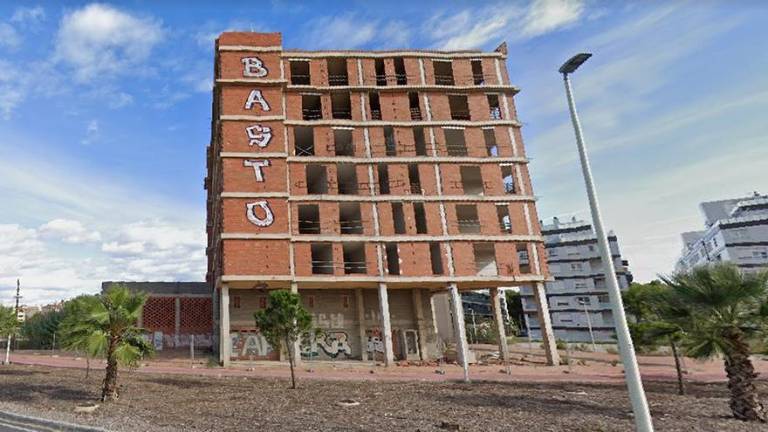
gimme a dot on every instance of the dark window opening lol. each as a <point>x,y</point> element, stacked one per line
<point>309,219</point>
<point>322,258</point>
<point>455,142</point>
<point>459,107</point>
<point>413,104</point>
<point>471,180</point>
<point>419,141</point>
<point>523,259</point>
<point>493,105</point>
<point>317,179</point>
<point>505,223</point>
<point>414,179</point>
<point>443,72</point>
<point>354,258</point>
<point>304,141</point>
<point>508,179</point>
<point>485,259</point>
<point>421,218</point>
<point>393,259</point>
<point>341,107</point>
<point>492,149</point>
<point>398,217</point>
<point>342,142</point>
<point>311,107</point>
<point>381,73</point>
<point>400,76</point>
<point>350,221</point>
<point>346,177</point>
<point>383,179</point>
<point>389,141</point>
<point>466,218</point>
<point>373,101</point>
<point>477,72</point>
<point>300,72</point>
<point>337,72</point>
<point>436,257</point>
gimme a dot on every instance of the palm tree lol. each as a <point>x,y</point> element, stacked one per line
<point>722,310</point>
<point>105,325</point>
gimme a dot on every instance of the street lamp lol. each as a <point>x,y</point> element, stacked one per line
<point>626,349</point>
<point>583,302</point>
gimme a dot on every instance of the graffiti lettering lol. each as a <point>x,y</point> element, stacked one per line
<point>259,135</point>
<point>265,221</point>
<point>253,67</point>
<point>375,343</point>
<point>255,97</point>
<point>257,165</point>
<point>248,344</point>
<point>333,344</point>
<point>331,320</point>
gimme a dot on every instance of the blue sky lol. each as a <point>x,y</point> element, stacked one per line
<point>105,116</point>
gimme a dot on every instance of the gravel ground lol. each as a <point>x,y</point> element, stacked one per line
<point>152,402</point>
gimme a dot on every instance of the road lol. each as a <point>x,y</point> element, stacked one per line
<point>10,422</point>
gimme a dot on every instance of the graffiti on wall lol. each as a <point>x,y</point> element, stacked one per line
<point>254,67</point>
<point>257,165</point>
<point>259,135</point>
<point>256,98</point>
<point>375,344</point>
<point>162,340</point>
<point>248,344</point>
<point>328,320</point>
<point>332,344</point>
<point>264,221</point>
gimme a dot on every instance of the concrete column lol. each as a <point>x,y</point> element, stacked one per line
<point>224,340</point>
<point>297,345</point>
<point>418,309</point>
<point>545,324</point>
<point>177,321</point>
<point>498,317</point>
<point>462,350</point>
<point>386,326</point>
<point>361,324</point>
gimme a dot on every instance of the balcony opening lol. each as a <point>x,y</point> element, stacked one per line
<point>508,178</point>
<point>421,218</point>
<point>443,72</point>
<point>485,259</point>
<point>346,176</point>
<point>393,259</point>
<point>400,75</point>
<point>419,142</point>
<point>309,219</point>
<point>311,107</point>
<point>436,258</point>
<point>373,101</point>
<point>337,72</point>
<point>459,107</point>
<point>381,73</point>
<point>505,223</point>
<point>341,108</point>
<point>413,104</point>
<point>491,147</point>
<point>493,105</point>
<point>350,221</point>
<point>389,141</point>
<point>455,142</point>
<point>466,218</point>
<point>317,179</point>
<point>414,179</point>
<point>477,72</point>
<point>303,141</point>
<point>471,180</point>
<point>342,142</point>
<point>398,217</point>
<point>300,72</point>
<point>322,258</point>
<point>522,258</point>
<point>354,258</point>
<point>383,178</point>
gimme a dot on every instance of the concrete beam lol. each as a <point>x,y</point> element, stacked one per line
<point>462,349</point>
<point>386,326</point>
<point>498,318</point>
<point>224,340</point>
<point>360,301</point>
<point>545,323</point>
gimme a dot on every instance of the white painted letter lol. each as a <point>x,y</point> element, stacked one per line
<point>257,166</point>
<point>253,67</point>
<point>268,218</point>
<point>256,97</point>
<point>259,135</point>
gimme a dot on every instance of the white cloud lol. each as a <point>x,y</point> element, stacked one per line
<point>9,37</point>
<point>352,30</point>
<point>545,16</point>
<point>69,231</point>
<point>100,40</point>
<point>28,15</point>
<point>91,132</point>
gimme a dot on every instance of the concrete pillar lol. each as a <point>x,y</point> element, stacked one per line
<point>361,324</point>
<point>224,340</point>
<point>498,318</point>
<point>296,345</point>
<point>177,321</point>
<point>386,326</point>
<point>462,350</point>
<point>418,309</point>
<point>545,324</point>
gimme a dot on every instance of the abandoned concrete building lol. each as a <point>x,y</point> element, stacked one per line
<point>373,184</point>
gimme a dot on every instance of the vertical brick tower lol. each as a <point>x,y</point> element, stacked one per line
<point>370,182</point>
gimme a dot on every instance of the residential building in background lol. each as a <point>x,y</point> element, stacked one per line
<point>578,296</point>
<point>370,183</point>
<point>736,230</point>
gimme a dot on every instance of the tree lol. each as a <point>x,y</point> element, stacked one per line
<point>640,299</point>
<point>9,325</point>
<point>39,329</point>
<point>282,323</point>
<point>105,325</point>
<point>515,307</point>
<point>722,311</point>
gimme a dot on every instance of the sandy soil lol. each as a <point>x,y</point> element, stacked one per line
<point>176,402</point>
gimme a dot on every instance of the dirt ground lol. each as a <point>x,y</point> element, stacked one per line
<point>161,402</point>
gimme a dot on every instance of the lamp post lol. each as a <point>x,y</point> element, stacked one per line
<point>643,421</point>
<point>589,323</point>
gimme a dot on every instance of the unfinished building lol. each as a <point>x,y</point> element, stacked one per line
<point>369,182</point>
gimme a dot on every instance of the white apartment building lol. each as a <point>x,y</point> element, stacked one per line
<point>578,296</point>
<point>736,231</point>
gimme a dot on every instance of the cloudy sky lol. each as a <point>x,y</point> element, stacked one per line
<point>105,116</point>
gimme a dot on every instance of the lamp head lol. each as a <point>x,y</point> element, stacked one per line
<point>574,62</point>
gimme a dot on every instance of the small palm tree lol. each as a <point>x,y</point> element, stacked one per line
<point>722,311</point>
<point>105,325</point>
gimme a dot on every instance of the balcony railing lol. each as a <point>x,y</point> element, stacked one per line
<point>299,79</point>
<point>375,114</point>
<point>342,114</point>
<point>381,80</point>
<point>478,78</point>
<point>495,113</point>
<point>456,149</point>
<point>322,267</point>
<point>415,113</point>
<point>312,113</point>
<point>444,80</point>
<point>338,80</point>
<point>351,226</point>
<point>469,226</point>
<point>460,115</point>
<point>352,267</point>
<point>416,188</point>
<point>401,79</point>
<point>309,227</point>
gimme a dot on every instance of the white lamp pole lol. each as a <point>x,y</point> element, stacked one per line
<point>643,421</point>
